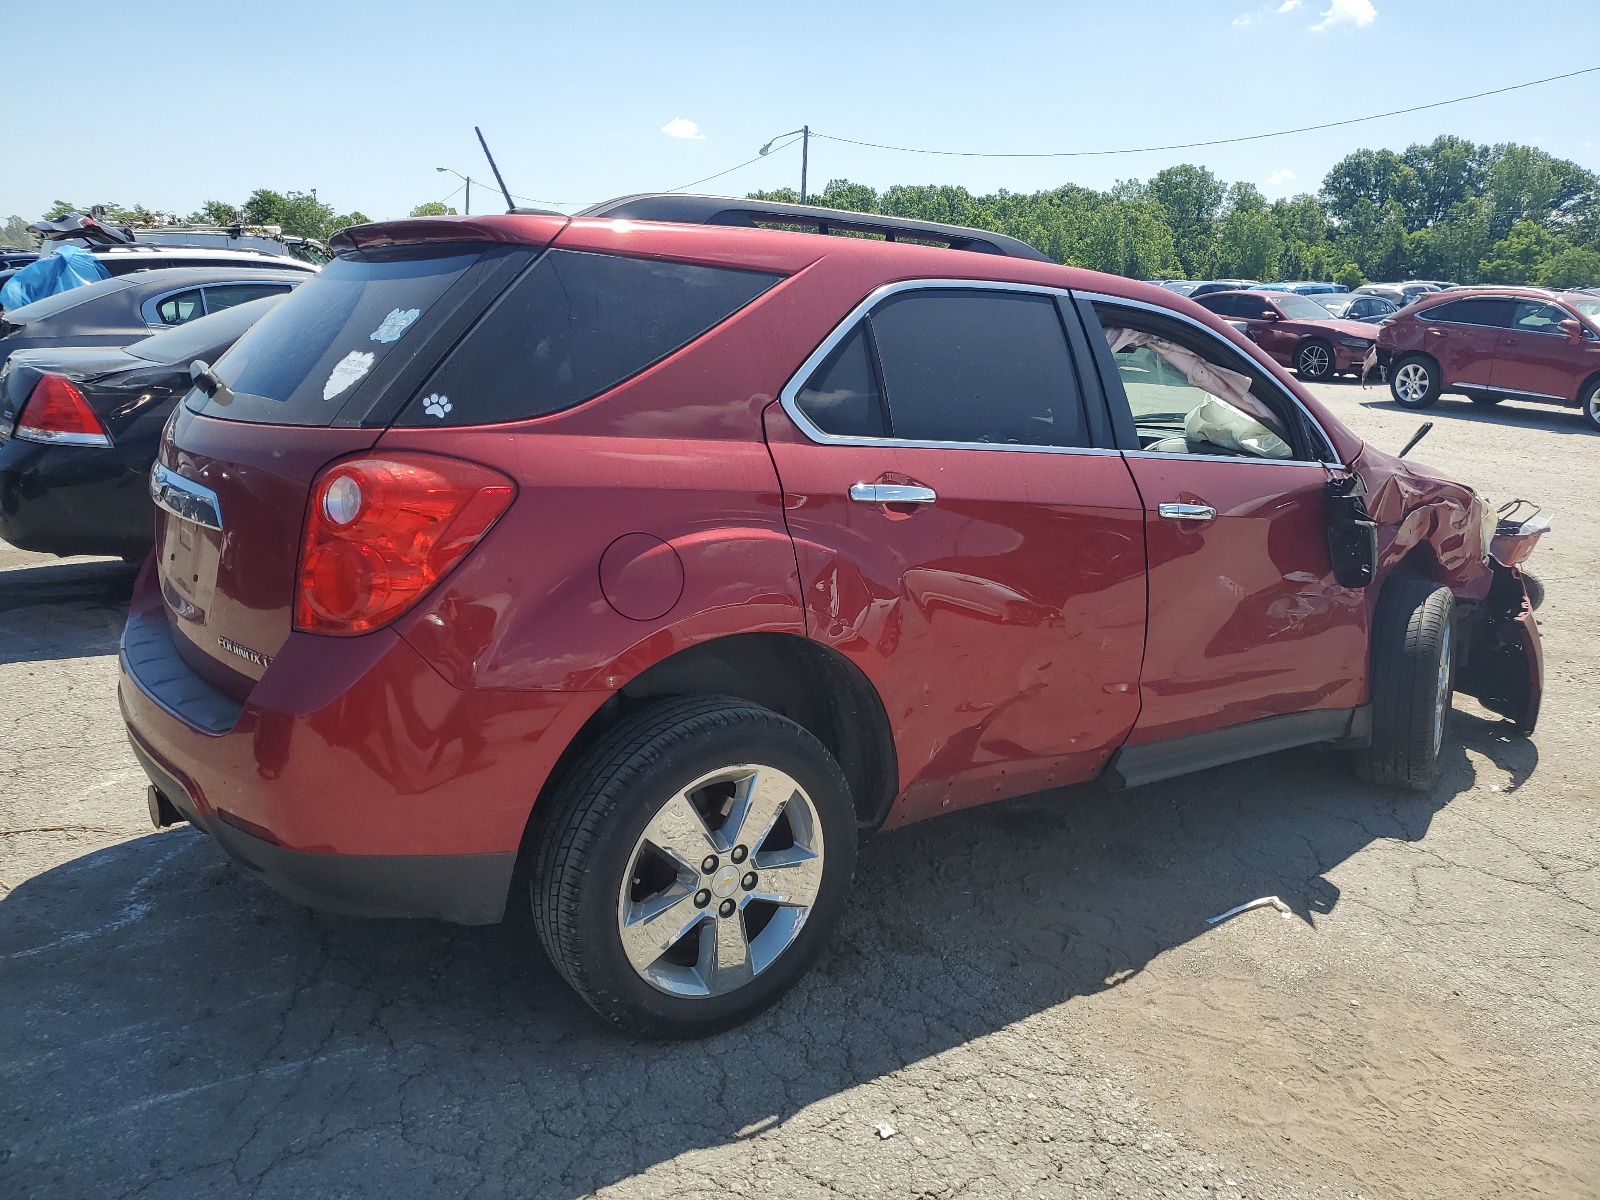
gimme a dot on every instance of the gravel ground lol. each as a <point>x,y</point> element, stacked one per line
<point>1026,999</point>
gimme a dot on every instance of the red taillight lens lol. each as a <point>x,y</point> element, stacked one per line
<point>381,531</point>
<point>57,412</point>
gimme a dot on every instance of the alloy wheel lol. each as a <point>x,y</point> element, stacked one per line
<point>721,881</point>
<point>1441,700</point>
<point>1315,361</point>
<point>1411,383</point>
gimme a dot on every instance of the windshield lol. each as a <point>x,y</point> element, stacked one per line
<point>1299,308</point>
<point>1587,308</point>
<point>1335,302</point>
<point>204,338</point>
<point>301,363</point>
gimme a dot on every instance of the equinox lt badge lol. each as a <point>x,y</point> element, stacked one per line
<point>244,652</point>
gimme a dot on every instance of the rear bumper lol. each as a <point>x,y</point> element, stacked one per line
<point>468,889</point>
<point>352,778</point>
<point>73,500</point>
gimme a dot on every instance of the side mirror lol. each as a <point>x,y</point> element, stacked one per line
<point>1573,328</point>
<point>1268,315</point>
<point>1352,533</point>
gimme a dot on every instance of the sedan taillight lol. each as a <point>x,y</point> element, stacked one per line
<point>57,413</point>
<point>381,531</point>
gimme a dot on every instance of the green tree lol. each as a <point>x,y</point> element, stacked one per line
<point>1570,266</point>
<point>433,208</point>
<point>215,212</point>
<point>1190,199</point>
<point>298,213</point>
<point>15,233</point>
<point>1517,257</point>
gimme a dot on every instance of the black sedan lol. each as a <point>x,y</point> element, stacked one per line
<point>125,308</point>
<point>79,429</point>
<point>1356,306</point>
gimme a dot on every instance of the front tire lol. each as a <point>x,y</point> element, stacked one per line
<point>692,865</point>
<point>1589,401</point>
<point>1314,361</point>
<point>1413,682</point>
<point>1415,382</point>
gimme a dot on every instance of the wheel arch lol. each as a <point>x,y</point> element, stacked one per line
<point>1589,381</point>
<point>811,684</point>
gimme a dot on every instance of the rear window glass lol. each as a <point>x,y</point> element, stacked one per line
<point>205,337</point>
<point>303,361</point>
<point>575,325</point>
<point>61,301</point>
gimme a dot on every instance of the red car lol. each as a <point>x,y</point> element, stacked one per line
<point>635,564</point>
<point>1491,343</point>
<point>1297,331</point>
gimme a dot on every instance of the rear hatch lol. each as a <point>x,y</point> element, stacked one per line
<point>317,378</point>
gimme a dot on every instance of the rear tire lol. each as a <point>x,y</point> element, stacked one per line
<point>660,927</point>
<point>1314,361</point>
<point>1413,680</point>
<point>1414,382</point>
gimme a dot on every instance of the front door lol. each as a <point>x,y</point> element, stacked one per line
<point>962,543</point>
<point>1245,618</point>
<point>1535,357</point>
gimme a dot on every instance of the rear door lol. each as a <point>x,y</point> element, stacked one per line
<point>1537,358</point>
<point>1246,620</point>
<point>963,539</point>
<point>1464,336</point>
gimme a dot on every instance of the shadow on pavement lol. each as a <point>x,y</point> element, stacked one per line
<point>175,1027</point>
<point>1549,418</point>
<point>67,610</point>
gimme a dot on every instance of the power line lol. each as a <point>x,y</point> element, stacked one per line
<point>1253,137</point>
<point>731,170</point>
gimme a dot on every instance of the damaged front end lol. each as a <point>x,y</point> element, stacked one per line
<point>1501,660</point>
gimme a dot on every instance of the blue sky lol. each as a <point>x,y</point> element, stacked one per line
<point>362,101</point>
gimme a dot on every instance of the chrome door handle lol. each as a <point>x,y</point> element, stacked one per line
<point>1187,512</point>
<point>891,493</point>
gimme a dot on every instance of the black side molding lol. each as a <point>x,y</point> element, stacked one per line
<point>1133,765</point>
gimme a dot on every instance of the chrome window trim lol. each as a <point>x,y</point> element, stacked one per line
<point>184,498</point>
<point>1332,461</point>
<point>789,396</point>
<point>148,308</point>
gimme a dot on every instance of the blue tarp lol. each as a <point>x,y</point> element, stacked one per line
<point>69,267</point>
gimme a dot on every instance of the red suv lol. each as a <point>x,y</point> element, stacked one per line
<point>1491,343</point>
<point>1297,331</point>
<point>636,564</point>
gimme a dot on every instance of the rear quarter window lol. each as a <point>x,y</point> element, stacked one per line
<point>574,325</point>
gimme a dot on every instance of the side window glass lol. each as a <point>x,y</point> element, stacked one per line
<point>575,325</point>
<point>1531,317</point>
<point>185,306</point>
<point>1223,306</point>
<point>1479,310</point>
<point>975,366</point>
<point>1186,402</point>
<point>842,396</point>
<point>229,294</point>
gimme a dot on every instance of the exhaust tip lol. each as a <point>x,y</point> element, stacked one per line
<point>162,811</point>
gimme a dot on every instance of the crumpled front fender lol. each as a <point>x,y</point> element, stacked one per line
<point>1503,664</point>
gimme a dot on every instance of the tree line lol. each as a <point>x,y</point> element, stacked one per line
<point>1450,209</point>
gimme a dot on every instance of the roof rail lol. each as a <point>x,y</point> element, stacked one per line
<point>674,207</point>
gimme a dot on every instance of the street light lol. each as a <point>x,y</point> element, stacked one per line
<point>468,205</point>
<point>805,153</point>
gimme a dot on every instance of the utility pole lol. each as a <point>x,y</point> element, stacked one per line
<point>805,157</point>
<point>805,153</point>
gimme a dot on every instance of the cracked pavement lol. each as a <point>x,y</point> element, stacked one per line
<point>1027,997</point>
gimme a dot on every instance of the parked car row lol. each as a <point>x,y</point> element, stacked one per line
<point>89,375</point>
<point>1297,331</point>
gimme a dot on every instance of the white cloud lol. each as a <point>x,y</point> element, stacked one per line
<point>1345,12</point>
<point>682,127</point>
<point>1280,177</point>
<point>1242,19</point>
<point>1289,5</point>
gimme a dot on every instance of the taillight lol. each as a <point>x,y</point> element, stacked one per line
<point>381,531</point>
<point>56,412</point>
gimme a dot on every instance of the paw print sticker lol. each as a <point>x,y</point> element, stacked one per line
<point>436,405</point>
